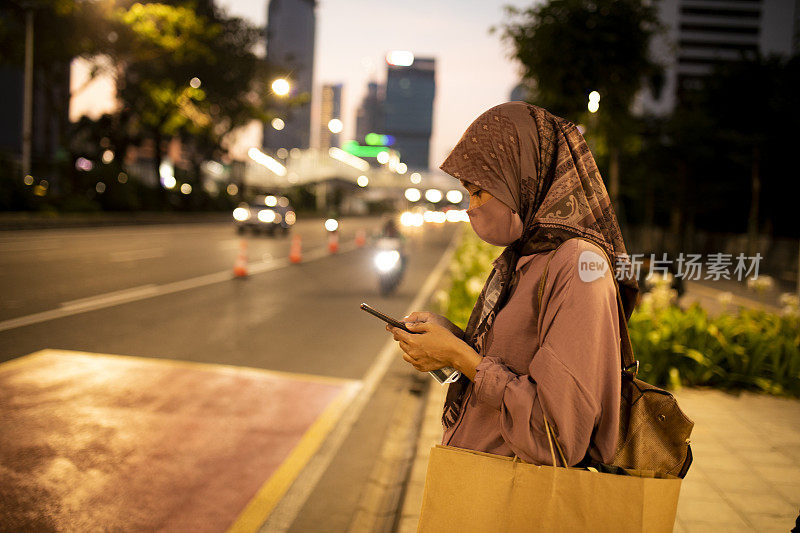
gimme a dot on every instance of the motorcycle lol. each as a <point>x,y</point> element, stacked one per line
<point>390,263</point>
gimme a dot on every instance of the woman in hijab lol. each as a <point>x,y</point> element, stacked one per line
<point>534,187</point>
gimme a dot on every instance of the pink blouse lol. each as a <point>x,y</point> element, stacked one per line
<point>573,372</point>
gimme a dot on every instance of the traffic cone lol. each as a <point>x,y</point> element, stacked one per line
<point>333,242</point>
<point>361,238</point>
<point>240,266</point>
<point>296,251</point>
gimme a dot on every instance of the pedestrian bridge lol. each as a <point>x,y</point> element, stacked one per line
<point>300,167</point>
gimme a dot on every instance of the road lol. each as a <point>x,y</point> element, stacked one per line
<point>165,293</point>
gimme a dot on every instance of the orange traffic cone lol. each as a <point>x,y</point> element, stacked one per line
<point>296,251</point>
<point>361,238</point>
<point>333,242</point>
<point>240,266</point>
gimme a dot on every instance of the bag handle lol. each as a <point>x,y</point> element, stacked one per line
<point>630,366</point>
<point>551,438</point>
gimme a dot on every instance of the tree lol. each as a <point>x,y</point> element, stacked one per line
<point>182,68</point>
<point>568,48</point>
<point>734,134</point>
<point>191,73</point>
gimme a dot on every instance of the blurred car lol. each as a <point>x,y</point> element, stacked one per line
<point>266,214</point>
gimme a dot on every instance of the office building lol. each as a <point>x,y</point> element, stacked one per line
<point>369,117</point>
<point>330,109</point>
<point>701,33</point>
<point>408,106</point>
<point>290,51</point>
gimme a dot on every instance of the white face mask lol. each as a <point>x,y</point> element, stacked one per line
<point>495,222</point>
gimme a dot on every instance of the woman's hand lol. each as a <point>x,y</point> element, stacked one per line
<point>427,316</point>
<point>432,346</point>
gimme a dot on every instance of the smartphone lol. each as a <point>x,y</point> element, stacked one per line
<point>443,375</point>
<point>389,320</point>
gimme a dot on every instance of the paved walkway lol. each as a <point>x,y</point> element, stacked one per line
<point>746,470</point>
<point>94,442</point>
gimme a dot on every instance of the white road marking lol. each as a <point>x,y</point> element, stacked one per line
<point>136,255</point>
<point>111,298</point>
<point>285,513</point>
<point>149,291</point>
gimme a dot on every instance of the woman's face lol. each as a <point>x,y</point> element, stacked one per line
<point>477,196</point>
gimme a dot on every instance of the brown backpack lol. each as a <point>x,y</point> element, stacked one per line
<point>653,431</point>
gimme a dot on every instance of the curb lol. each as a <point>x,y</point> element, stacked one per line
<point>430,435</point>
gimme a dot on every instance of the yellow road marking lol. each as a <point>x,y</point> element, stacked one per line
<point>13,363</point>
<point>268,496</point>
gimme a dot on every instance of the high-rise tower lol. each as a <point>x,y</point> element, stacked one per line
<point>410,90</point>
<point>290,50</point>
<point>330,110</point>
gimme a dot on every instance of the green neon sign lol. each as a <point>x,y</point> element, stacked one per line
<point>376,139</point>
<point>352,147</point>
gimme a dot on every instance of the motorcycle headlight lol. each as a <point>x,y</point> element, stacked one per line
<point>386,260</point>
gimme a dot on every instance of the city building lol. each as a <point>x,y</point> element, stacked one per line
<point>701,33</point>
<point>369,117</point>
<point>408,106</point>
<point>290,51</point>
<point>330,110</point>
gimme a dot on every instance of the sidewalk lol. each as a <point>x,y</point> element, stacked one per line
<point>746,470</point>
<point>711,295</point>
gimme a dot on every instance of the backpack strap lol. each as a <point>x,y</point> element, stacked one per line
<point>630,366</point>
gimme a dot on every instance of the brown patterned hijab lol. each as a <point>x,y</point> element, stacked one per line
<point>539,165</point>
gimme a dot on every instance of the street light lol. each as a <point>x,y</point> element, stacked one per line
<point>594,101</point>
<point>281,87</point>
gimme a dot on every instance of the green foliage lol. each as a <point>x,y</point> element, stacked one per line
<point>746,349</point>
<point>568,48</point>
<point>153,51</point>
<point>471,265</point>
<point>160,29</point>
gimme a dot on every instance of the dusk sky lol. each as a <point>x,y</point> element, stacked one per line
<point>473,71</point>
